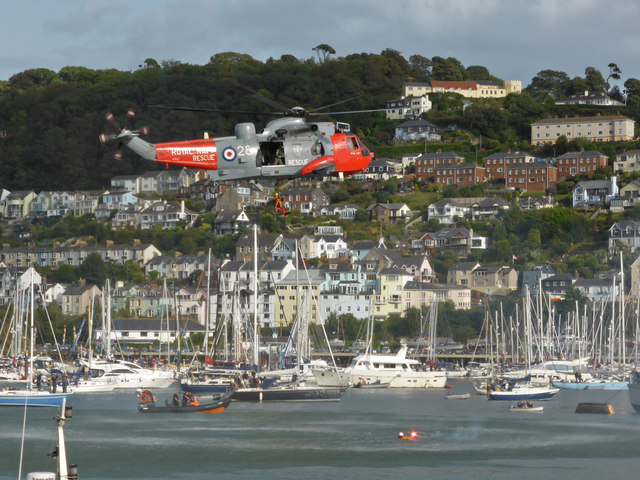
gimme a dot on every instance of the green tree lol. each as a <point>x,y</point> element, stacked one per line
<point>420,68</point>
<point>533,239</point>
<point>549,82</point>
<point>447,69</point>
<point>324,52</point>
<point>503,251</point>
<point>65,274</point>
<point>594,79</point>
<point>93,269</point>
<point>269,224</point>
<point>614,72</point>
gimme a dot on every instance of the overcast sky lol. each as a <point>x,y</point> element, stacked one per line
<point>514,39</point>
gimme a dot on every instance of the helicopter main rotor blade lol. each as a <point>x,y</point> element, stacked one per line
<point>349,112</point>
<point>336,103</point>
<point>213,110</point>
<point>272,103</point>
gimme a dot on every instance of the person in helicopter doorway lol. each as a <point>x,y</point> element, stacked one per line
<point>176,399</point>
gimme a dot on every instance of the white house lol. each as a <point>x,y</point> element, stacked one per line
<point>445,211</point>
<point>594,192</point>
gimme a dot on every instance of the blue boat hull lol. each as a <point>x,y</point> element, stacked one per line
<point>592,385</point>
<point>20,399</point>
<point>199,389</point>
<point>287,394</point>
<point>515,395</point>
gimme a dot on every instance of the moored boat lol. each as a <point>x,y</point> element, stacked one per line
<point>32,398</point>
<point>288,393</point>
<point>593,384</point>
<point>396,370</point>
<point>523,393</point>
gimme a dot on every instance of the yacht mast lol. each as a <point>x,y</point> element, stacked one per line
<point>256,343</point>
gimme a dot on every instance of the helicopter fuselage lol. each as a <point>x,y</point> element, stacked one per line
<point>287,148</point>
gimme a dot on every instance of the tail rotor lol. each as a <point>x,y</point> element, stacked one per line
<point>122,132</point>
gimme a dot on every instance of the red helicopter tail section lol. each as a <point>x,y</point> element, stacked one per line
<point>200,153</point>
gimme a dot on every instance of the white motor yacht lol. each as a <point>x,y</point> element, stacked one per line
<point>396,370</point>
<point>130,375</point>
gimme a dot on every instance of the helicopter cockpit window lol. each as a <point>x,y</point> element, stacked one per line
<point>353,143</point>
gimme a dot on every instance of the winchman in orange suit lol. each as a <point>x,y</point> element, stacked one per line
<point>279,204</point>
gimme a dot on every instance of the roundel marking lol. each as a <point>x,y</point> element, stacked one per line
<point>229,154</point>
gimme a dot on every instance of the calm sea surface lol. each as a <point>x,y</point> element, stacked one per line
<point>354,438</point>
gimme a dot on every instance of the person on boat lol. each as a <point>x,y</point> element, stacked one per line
<point>176,399</point>
<point>186,399</point>
<point>39,381</point>
<point>54,383</point>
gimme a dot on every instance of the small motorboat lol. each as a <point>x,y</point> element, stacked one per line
<point>376,384</point>
<point>217,404</point>
<point>528,407</point>
<point>461,396</point>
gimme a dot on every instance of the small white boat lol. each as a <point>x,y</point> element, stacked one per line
<point>527,407</point>
<point>461,396</point>
<point>514,408</point>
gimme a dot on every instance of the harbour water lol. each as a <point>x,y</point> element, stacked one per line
<point>354,438</point>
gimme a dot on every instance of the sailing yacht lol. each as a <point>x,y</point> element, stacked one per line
<point>28,396</point>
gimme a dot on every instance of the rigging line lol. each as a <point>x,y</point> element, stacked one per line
<point>55,340</point>
<point>315,301</point>
<point>24,429</point>
<point>6,314</point>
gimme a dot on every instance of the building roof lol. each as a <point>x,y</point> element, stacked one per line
<point>440,155</point>
<point>601,118</point>
<point>416,123</point>
<point>463,266</point>
<point>499,155</point>
<point>582,154</point>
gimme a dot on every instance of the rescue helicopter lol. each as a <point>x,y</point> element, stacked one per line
<point>289,147</point>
